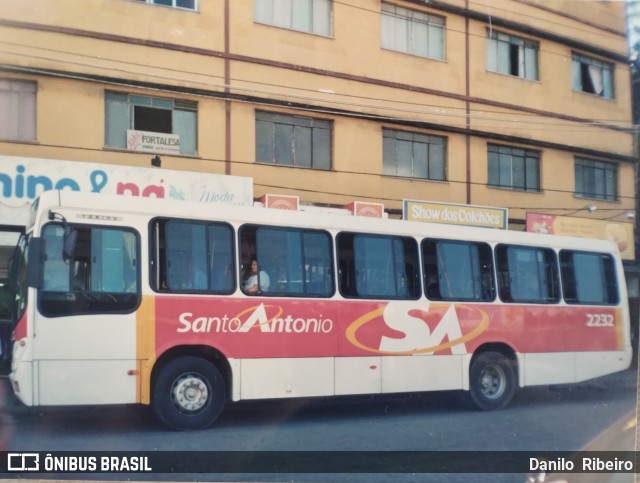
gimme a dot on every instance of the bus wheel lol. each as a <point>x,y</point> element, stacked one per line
<point>492,381</point>
<point>189,393</point>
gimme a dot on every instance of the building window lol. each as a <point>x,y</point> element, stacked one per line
<point>17,110</point>
<point>188,4</point>
<point>514,168</point>
<point>413,155</point>
<point>293,140</point>
<point>312,16</point>
<point>511,55</point>
<point>592,76</point>
<point>412,32</point>
<point>127,112</point>
<point>596,179</point>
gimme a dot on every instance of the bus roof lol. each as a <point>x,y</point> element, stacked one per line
<point>155,207</point>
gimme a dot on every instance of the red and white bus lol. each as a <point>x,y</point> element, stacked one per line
<point>131,300</point>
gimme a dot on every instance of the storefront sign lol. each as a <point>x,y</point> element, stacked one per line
<point>153,142</point>
<point>620,233</point>
<point>282,202</point>
<point>365,208</point>
<point>23,179</point>
<point>455,214</point>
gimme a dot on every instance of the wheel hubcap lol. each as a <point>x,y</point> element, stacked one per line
<point>492,381</point>
<point>189,393</point>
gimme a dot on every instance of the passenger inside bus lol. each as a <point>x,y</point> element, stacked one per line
<point>256,280</point>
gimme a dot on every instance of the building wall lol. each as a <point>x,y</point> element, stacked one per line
<point>231,69</point>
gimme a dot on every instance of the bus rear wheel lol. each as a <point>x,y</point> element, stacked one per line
<point>189,393</point>
<point>492,381</point>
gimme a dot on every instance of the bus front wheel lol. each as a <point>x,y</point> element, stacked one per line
<point>492,381</point>
<point>189,393</point>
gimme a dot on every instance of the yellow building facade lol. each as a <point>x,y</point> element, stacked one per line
<point>520,104</point>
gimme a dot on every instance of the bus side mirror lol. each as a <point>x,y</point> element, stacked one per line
<point>35,263</point>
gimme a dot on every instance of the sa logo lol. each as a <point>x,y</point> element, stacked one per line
<point>418,336</point>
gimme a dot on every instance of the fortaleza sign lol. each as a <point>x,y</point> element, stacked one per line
<point>23,179</point>
<point>455,214</point>
<point>153,142</point>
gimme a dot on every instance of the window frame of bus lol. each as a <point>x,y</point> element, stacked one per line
<point>608,276</point>
<point>249,235</point>
<point>506,292</point>
<point>485,269</point>
<point>86,302</point>
<point>158,261</point>
<point>345,245</point>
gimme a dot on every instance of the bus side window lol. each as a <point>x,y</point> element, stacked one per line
<point>527,274</point>
<point>457,270</point>
<point>588,278</point>
<point>193,256</point>
<point>290,261</point>
<point>375,266</point>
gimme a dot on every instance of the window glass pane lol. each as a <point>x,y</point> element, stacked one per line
<point>117,123</point>
<point>283,144</point>
<point>101,275</point>
<point>220,258</point>
<point>588,278</point>
<point>140,100</point>
<point>302,146</point>
<point>436,42</point>
<point>405,158</point>
<point>318,264</point>
<point>387,30</point>
<point>301,15</point>
<point>322,17</point>
<point>322,148</point>
<point>190,4</point>
<point>421,160</point>
<point>56,270</point>
<point>186,256</point>
<point>504,60</point>
<point>494,168</point>
<point>375,275</point>
<point>531,63</point>
<point>184,124</point>
<point>17,110</point>
<point>527,274</point>
<point>264,141</point>
<point>458,274</point>
<point>419,39</point>
<point>436,162</point>
<point>389,156</point>
<point>263,11</point>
